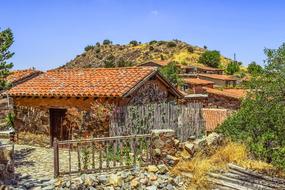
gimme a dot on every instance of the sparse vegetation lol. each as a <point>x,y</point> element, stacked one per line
<point>211,58</point>
<point>218,159</point>
<point>181,52</point>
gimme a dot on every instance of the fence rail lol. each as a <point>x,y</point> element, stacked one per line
<point>98,154</point>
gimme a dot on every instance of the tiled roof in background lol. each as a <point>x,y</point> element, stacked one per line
<point>196,81</point>
<point>105,82</point>
<point>214,117</point>
<point>231,92</point>
<point>220,77</point>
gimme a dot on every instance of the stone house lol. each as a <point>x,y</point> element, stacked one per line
<point>41,104</point>
<point>195,69</point>
<point>195,85</point>
<point>226,98</point>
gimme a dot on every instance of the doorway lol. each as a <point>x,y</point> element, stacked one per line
<point>57,129</point>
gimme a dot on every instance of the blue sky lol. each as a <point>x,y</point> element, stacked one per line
<point>49,33</point>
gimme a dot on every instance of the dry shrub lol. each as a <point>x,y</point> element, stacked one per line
<point>33,139</point>
<point>201,164</point>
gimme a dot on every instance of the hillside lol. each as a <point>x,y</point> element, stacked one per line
<point>132,54</point>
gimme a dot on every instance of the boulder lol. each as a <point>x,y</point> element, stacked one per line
<point>152,168</point>
<point>134,183</point>
<point>172,160</point>
<point>115,180</point>
<point>189,147</point>
<point>200,143</point>
<point>213,139</point>
<point>162,169</point>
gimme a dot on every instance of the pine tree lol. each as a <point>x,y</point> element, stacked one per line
<point>6,40</point>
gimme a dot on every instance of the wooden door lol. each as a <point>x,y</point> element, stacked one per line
<point>57,129</point>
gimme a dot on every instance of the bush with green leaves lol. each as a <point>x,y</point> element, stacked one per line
<point>107,42</point>
<point>170,72</point>
<point>254,68</point>
<point>233,67</point>
<point>152,42</point>
<point>211,58</point>
<point>260,122</point>
<point>171,44</point>
<point>134,43</point>
<point>89,47</point>
<point>190,49</point>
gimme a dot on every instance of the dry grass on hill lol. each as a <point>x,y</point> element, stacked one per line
<point>218,160</point>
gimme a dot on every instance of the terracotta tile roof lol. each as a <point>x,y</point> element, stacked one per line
<point>214,117</point>
<point>89,82</point>
<point>221,77</point>
<point>232,93</point>
<point>19,75</point>
<point>197,81</point>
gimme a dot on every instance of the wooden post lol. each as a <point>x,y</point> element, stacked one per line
<point>56,159</point>
<point>135,148</point>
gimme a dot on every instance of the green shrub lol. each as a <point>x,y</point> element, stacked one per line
<point>190,49</point>
<point>152,42</point>
<point>134,43</point>
<point>233,67</point>
<point>171,44</point>
<point>107,42</point>
<point>254,68</point>
<point>98,44</point>
<point>151,48</point>
<point>260,122</point>
<point>210,58</point>
<point>89,47</point>
<point>170,72</point>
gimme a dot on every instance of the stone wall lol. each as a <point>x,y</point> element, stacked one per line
<point>6,164</point>
<point>219,101</point>
<point>164,144</point>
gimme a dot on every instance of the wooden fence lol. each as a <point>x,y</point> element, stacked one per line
<point>95,155</point>
<point>185,120</point>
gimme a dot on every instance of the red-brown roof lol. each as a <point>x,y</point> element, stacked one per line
<point>197,81</point>
<point>18,75</point>
<point>220,77</point>
<point>214,117</point>
<point>232,93</point>
<point>89,82</point>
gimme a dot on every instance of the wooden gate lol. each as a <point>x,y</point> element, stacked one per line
<point>99,154</point>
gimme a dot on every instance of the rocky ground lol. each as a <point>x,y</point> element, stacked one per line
<point>34,170</point>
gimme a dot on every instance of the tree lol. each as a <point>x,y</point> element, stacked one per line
<point>254,68</point>
<point>232,67</point>
<point>211,58</point>
<point>6,40</point>
<point>260,122</point>
<point>170,72</point>
<point>107,42</point>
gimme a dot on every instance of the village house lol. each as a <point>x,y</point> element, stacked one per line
<point>220,80</point>
<point>41,104</point>
<point>195,85</point>
<point>14,78</point>
<point>226,98</point>
<point>196,69</point>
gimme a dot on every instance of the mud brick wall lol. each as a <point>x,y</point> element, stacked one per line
<point>218,101</point>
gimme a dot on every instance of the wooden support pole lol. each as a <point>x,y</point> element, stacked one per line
<point>56,159</point>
